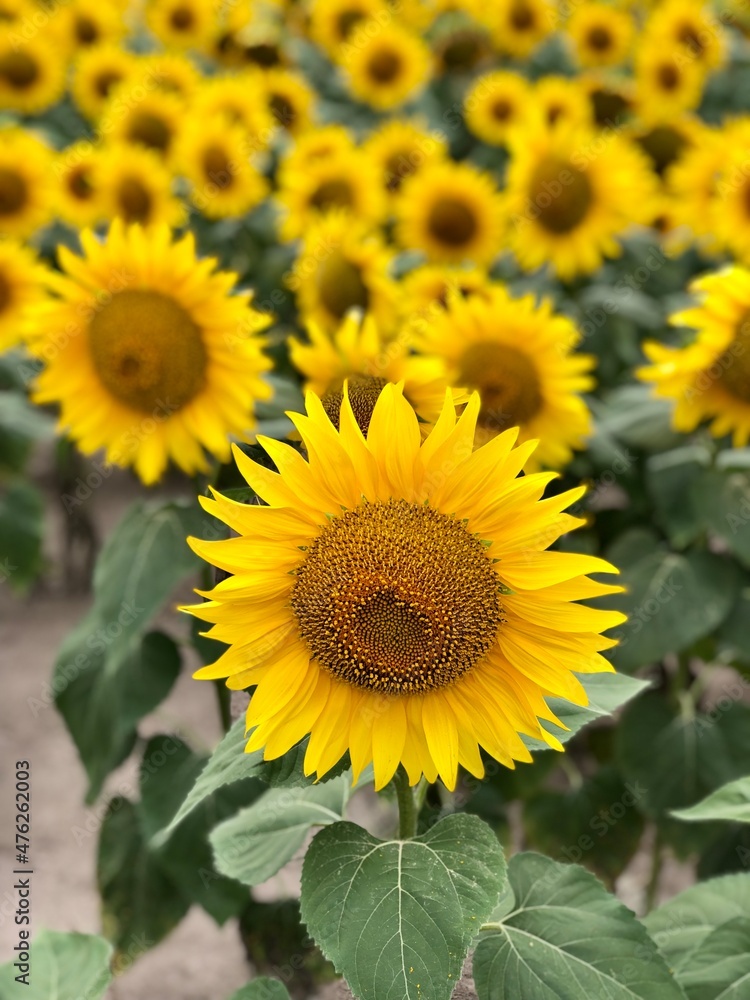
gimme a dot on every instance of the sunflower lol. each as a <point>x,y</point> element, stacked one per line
<point>427,289</point>
<point>667,83</point>
<point>143,118</point>
<point>333,21</point>
<point>401,149</point>
<point>452,212</point>
<point>135,186</point>
<point>666,141</point>
<point>611,98</point>
<point>215,157</point>
<point>289,99</point>
<point>386,605</point>
<point>32,73</point>
<point>22,285</point>
<point>250,35</point>
<point>26,187</point>
<point>560,100</point>
<point>347,180</point>
<point>519,26</point>
<point>342,266</point>
<point>96,74</point>
<point>570,193</point>
<point>518,354</point>
<point>240,100</point>
<point>92,23</point>
<point>692,182</point>
<point>78,198</point>
<point>147,353</point>
<point>171,72</point>
<point>387,67</point>
<point>600,34</point>
<point>496,104</point>
<point>181,24</point>
<point>361,356</point>
<point>710,378</point>
<point>692,26</point>
<point>317,144</point>
<point>728,215</point>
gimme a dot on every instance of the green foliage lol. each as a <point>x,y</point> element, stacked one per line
<point>63,967</point>
<point>21,529</point>
<point>563,937</point>
<point>262,988</point>
<point>731,802</point>
<point>397,917</point>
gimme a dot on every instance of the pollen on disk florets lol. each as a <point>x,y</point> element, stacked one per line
<point>397,597</point>
<point>364,391</point>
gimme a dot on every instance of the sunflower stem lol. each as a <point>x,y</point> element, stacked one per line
<point>407,806</point>
<point>224,699</point>
<point>657,861</point>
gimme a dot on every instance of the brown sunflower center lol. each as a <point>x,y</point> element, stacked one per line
<point>397,598</point>
<point>400,164</point>
<point>609,106</point>
<point>87,30</point>
<point>283,110</point>
<point>522,16</point>
<point>347,21</point>
<point>79,183</point>
<point>217,167</point>
<point>151,130</point>
<point>340,285</point>
<point>364,392</point>
<point>385,66</point>
<point>134,200</point>
<point>561,193</point>
<point>462,50</point>
<point>599,38</point>
<point>507,383</point>
<point>663,145</point>
<point>182,19</point>
<point>335,193</point>
<point>6,293</point>
<point>18,70</point>
<point>734,363</point>
<point>689,36</point>
<point>14,192</point>
<point>668,76</point>
<point>147,351</point>
<point>501,109</point>
<point>106,80</point>
<point>452,221</point>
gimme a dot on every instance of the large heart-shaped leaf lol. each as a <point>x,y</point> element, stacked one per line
<point>63,967</point>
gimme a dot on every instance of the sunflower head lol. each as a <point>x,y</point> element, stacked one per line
<point>98,71</point>
<point>78,197</point>
<point>495,105</point>
<point>379,608</point>
<point>32,74</point>
<point>600,34</point>
<point>385,67</point>
<point>26,186</point>
<point>22,286</point>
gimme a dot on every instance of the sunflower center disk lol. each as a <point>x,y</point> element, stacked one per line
<point>452,222</point>
<point>507,383</point>
<point>340,285</point>
<point>397,598</point>
<point>364,391</point>
<point>150,130</point>
<point>147,351</point>
<point>134,200</point>
<point>735,362</point>
<point>561,194</point>
<point>13,192</point>
<point>18,70</point>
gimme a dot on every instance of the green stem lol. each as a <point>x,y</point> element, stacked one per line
<point>655,876</point>
<point>224,700</point>
<point>407,806</point>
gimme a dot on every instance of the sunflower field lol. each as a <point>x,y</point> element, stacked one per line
<point>386,365</point>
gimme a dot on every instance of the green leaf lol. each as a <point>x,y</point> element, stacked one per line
<point>63,967</point>
<point>669,479</point>
<point>396,917</point>
<point>289,771</point>
<point>606,692</point>
<point>724,501</point>
<point>21,424</point>
<point>680,757</point>
<point>21,530</point>
<point>258,842</point>
<point>567,938</point>
<point>720,968</point>
<point>227,764</point>
<point>671,601</point>
<point>263,988</point>
<point>141,904</point>
<point>681,925</point>
<point>168,771</point>
<point>633,415</point>
<point>103,697</point>
<point>730,802</point>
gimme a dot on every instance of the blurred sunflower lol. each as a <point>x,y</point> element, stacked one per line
<point>250,35</point>
<point>333,21</point>
<point>171,72</point>
<point>560,100</point>
<point>342,266</point>
<point>495,104</point>
<point>97,72</point>
<point>135,186</point>
<point>600,34</point>
<point>92,23</point>
<point>360,355</point>
<point>345,181</point>
<point>22,285</point>
<point>147,353</point>
<point>729,189</point>
<point>427,289</point>
<point>709,379</point>
<point>152,119</point>
<point>317,144</point>
<point>519,355</point>
<point>289,100</point>
<point>32,73</point>
<point>26,186</point>
<point>401,149</point>
<point>666,82</point>
<point>692,181</point>
<point>570,193</point>
<point>666,141</point>
<point>403,608</point>
<point>387,67</point>
<point>77,195</point>
<point>692,26</point>
<point>241,101</point>
<point>182,24</point>
<point>215,158</point>
<point>611,98</point>
<point>452,212</point>
<point>519,26</point>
